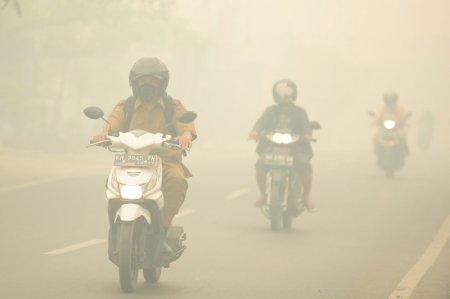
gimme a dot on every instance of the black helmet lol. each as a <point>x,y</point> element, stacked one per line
<point>390,98</point>
<point>149,66</point>
<point>284,91</point>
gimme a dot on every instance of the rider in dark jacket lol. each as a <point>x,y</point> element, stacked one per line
<point>285,115</point>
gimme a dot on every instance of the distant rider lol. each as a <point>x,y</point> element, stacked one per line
<point>392,111</point>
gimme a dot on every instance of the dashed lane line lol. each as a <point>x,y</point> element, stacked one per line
<point>238,193</point>
<point>184,213</point>
<point>75,247</point>
<point>42,182</point>
<point>82,245</point>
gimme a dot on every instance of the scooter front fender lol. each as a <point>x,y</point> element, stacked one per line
<point>131,212</point>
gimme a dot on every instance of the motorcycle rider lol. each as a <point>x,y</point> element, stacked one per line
<point>152,110</point>
<point>285,114</point>
<point>392,111</point>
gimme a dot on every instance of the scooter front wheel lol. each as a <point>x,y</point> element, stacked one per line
<point>128,256</point>
<point>275,211</point>
<point>275,218</point>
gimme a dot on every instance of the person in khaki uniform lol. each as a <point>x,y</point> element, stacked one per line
<point>148,110</point>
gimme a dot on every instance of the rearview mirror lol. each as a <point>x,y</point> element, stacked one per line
<point>186,117</point>
<point>93,112</point>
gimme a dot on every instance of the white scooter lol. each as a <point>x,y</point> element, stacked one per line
<point>137,239</point>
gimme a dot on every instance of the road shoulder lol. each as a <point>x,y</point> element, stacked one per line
<point>24,168</point>
<point>436,282</point>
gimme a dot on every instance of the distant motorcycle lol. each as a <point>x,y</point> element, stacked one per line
<point>391,146</point>
<point>136,236</point>
<point>282,192</point>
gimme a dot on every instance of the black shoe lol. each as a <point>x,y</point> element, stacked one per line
<point>175,237</point>
<point>296,207</point>
<point>167,249</point>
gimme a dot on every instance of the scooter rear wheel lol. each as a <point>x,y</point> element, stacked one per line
<point>275,218</point>
<point>287,221</point>
<point>152,275</point>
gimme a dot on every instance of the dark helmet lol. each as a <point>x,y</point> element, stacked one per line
<point>390,98</point>
<point>284,91</point>
<point>149,66</point>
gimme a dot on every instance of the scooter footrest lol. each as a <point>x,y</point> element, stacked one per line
<point>173,257</point>
<point>174,232</point>
<point>175,237</point>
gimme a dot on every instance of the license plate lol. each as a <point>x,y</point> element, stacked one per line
<point>280,160</point>
<point>134,160</point>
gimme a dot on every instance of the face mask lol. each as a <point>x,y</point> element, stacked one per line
<point>390,103</point>
<point>284,94</point>
<point>149,93</point>
<point>284,100</point>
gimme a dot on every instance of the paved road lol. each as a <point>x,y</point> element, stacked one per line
<point>368,233</point>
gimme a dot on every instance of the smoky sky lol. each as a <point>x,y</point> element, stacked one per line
<point>224,57</point>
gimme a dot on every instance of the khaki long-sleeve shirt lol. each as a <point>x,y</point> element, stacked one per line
<point>396,113</point>
<point>149,116</point>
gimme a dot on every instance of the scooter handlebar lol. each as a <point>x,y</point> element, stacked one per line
<point>174,144</point>
<point>104,143</point>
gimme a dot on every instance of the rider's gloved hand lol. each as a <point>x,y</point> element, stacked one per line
<point>308,137</point>
<point>185,140</point>
<point>253,135</point>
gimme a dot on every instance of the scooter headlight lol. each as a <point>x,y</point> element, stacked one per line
<point>389,124</point>
<point>131,192</point>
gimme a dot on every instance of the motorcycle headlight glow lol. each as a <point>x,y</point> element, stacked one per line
<point>389,124</point>
<point>280,138</point>
<point>131,192</point>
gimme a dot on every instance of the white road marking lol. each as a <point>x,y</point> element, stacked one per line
<point>42,182</point>
<point>238,193</point>
<point>82,245</point>
<point>409,282</point>
<point>74,247</point>
<point>184,213</point>
<point>28,184</point>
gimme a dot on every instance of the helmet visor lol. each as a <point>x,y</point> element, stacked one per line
<point>149,80</point>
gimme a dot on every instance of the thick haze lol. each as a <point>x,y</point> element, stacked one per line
<point>58,57</point>
<point>371,236</point>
